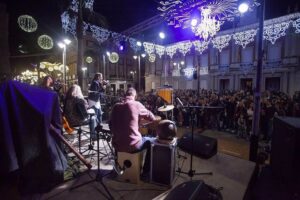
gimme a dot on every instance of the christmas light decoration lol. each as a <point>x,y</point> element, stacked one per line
<point>133,45</point>
<point>89,4</point>
<point>171,50</point>
<point>220,42</point>
<point>208,27</point>
<point>296,25</point>
<point>152,58</point>
<point>113,57</point>
<point>160,50</point>
<point>149,47</point>
<point>100,34</point>
<point>184,47</point>
<point>45,42</point>
<point>245,37</point>
<point>201,46</point>
<point>27,23</point>
<point>188,72</point>
<point>275,31</point>
<point>68,23</point>
<point>74,5</point>
<point>179,13</point>
<point>89,59</point>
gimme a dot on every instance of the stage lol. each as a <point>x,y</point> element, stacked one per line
<point>230,173</point>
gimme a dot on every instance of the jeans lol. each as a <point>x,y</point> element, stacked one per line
<point>92,125</point>
<point>146,144</point>
<point>98,113</point>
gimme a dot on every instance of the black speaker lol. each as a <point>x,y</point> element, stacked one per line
<point>163,163</point>
<point>194,190</point>
<point>204,146</point>
<point>285,148</point>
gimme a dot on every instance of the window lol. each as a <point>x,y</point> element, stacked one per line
<point>274,52</point>
<point>247,55</point>
<point>224,58</point>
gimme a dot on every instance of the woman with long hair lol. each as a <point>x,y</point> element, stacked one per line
<point>76,110</point>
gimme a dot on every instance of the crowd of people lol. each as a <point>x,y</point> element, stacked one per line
<point>230,111</point>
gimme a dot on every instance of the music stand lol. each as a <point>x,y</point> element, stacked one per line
<point>99,176</point>
<point>192,172</point>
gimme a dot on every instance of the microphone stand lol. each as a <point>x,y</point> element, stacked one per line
<point>191,173</point>
<point>99,176</point>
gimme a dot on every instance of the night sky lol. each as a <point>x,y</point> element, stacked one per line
<point>119,14</point>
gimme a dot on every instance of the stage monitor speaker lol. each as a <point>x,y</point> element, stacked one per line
<point>204,146</point>
<point>194,190</point>
<point>285,148</point>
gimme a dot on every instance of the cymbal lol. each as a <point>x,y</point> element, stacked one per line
<point>165,108</point>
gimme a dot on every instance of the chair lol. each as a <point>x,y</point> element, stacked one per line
<point>78,128</point>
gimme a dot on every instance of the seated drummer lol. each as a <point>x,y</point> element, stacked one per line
<point>124,125</point>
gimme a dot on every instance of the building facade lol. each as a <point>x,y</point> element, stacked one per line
<point>234,67</point>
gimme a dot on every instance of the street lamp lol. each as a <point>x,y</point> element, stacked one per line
<point>63,45</point>
<point>104,63</point>
<point>138,57</point>
<point>243,7</point>
<point>162,35</point>
<point>257,93</point>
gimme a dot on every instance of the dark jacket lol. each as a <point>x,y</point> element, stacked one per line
<point>95,91</point>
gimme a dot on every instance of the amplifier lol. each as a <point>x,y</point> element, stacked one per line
<point>163,161</point>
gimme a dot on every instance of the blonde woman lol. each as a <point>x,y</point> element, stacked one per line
<point>76,110</point>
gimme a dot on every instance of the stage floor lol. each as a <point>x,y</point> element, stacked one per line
<point>229,172</point>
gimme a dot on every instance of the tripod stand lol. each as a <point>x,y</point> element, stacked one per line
<point>99,176</point>
<point>191,173</point>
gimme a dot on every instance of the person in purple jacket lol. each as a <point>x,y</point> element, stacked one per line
<point>124,125</point>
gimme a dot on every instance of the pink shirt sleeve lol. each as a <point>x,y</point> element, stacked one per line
<point>145,113</point>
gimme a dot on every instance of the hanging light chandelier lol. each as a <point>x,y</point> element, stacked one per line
<point>208,26</point>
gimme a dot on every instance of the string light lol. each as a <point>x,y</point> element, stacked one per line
<point>221,42</point>
<point>245,37</point>
<point>201,46</point>
<point>276,31</point>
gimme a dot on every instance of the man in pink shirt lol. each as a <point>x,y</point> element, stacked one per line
<point>124,125</point>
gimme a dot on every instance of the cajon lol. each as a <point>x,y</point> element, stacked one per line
<point>131,174</point>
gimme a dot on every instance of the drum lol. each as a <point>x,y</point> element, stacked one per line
<point>149,127</point>
<point>166,130</point>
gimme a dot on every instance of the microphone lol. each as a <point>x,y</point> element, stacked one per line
<point>179,101</point>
